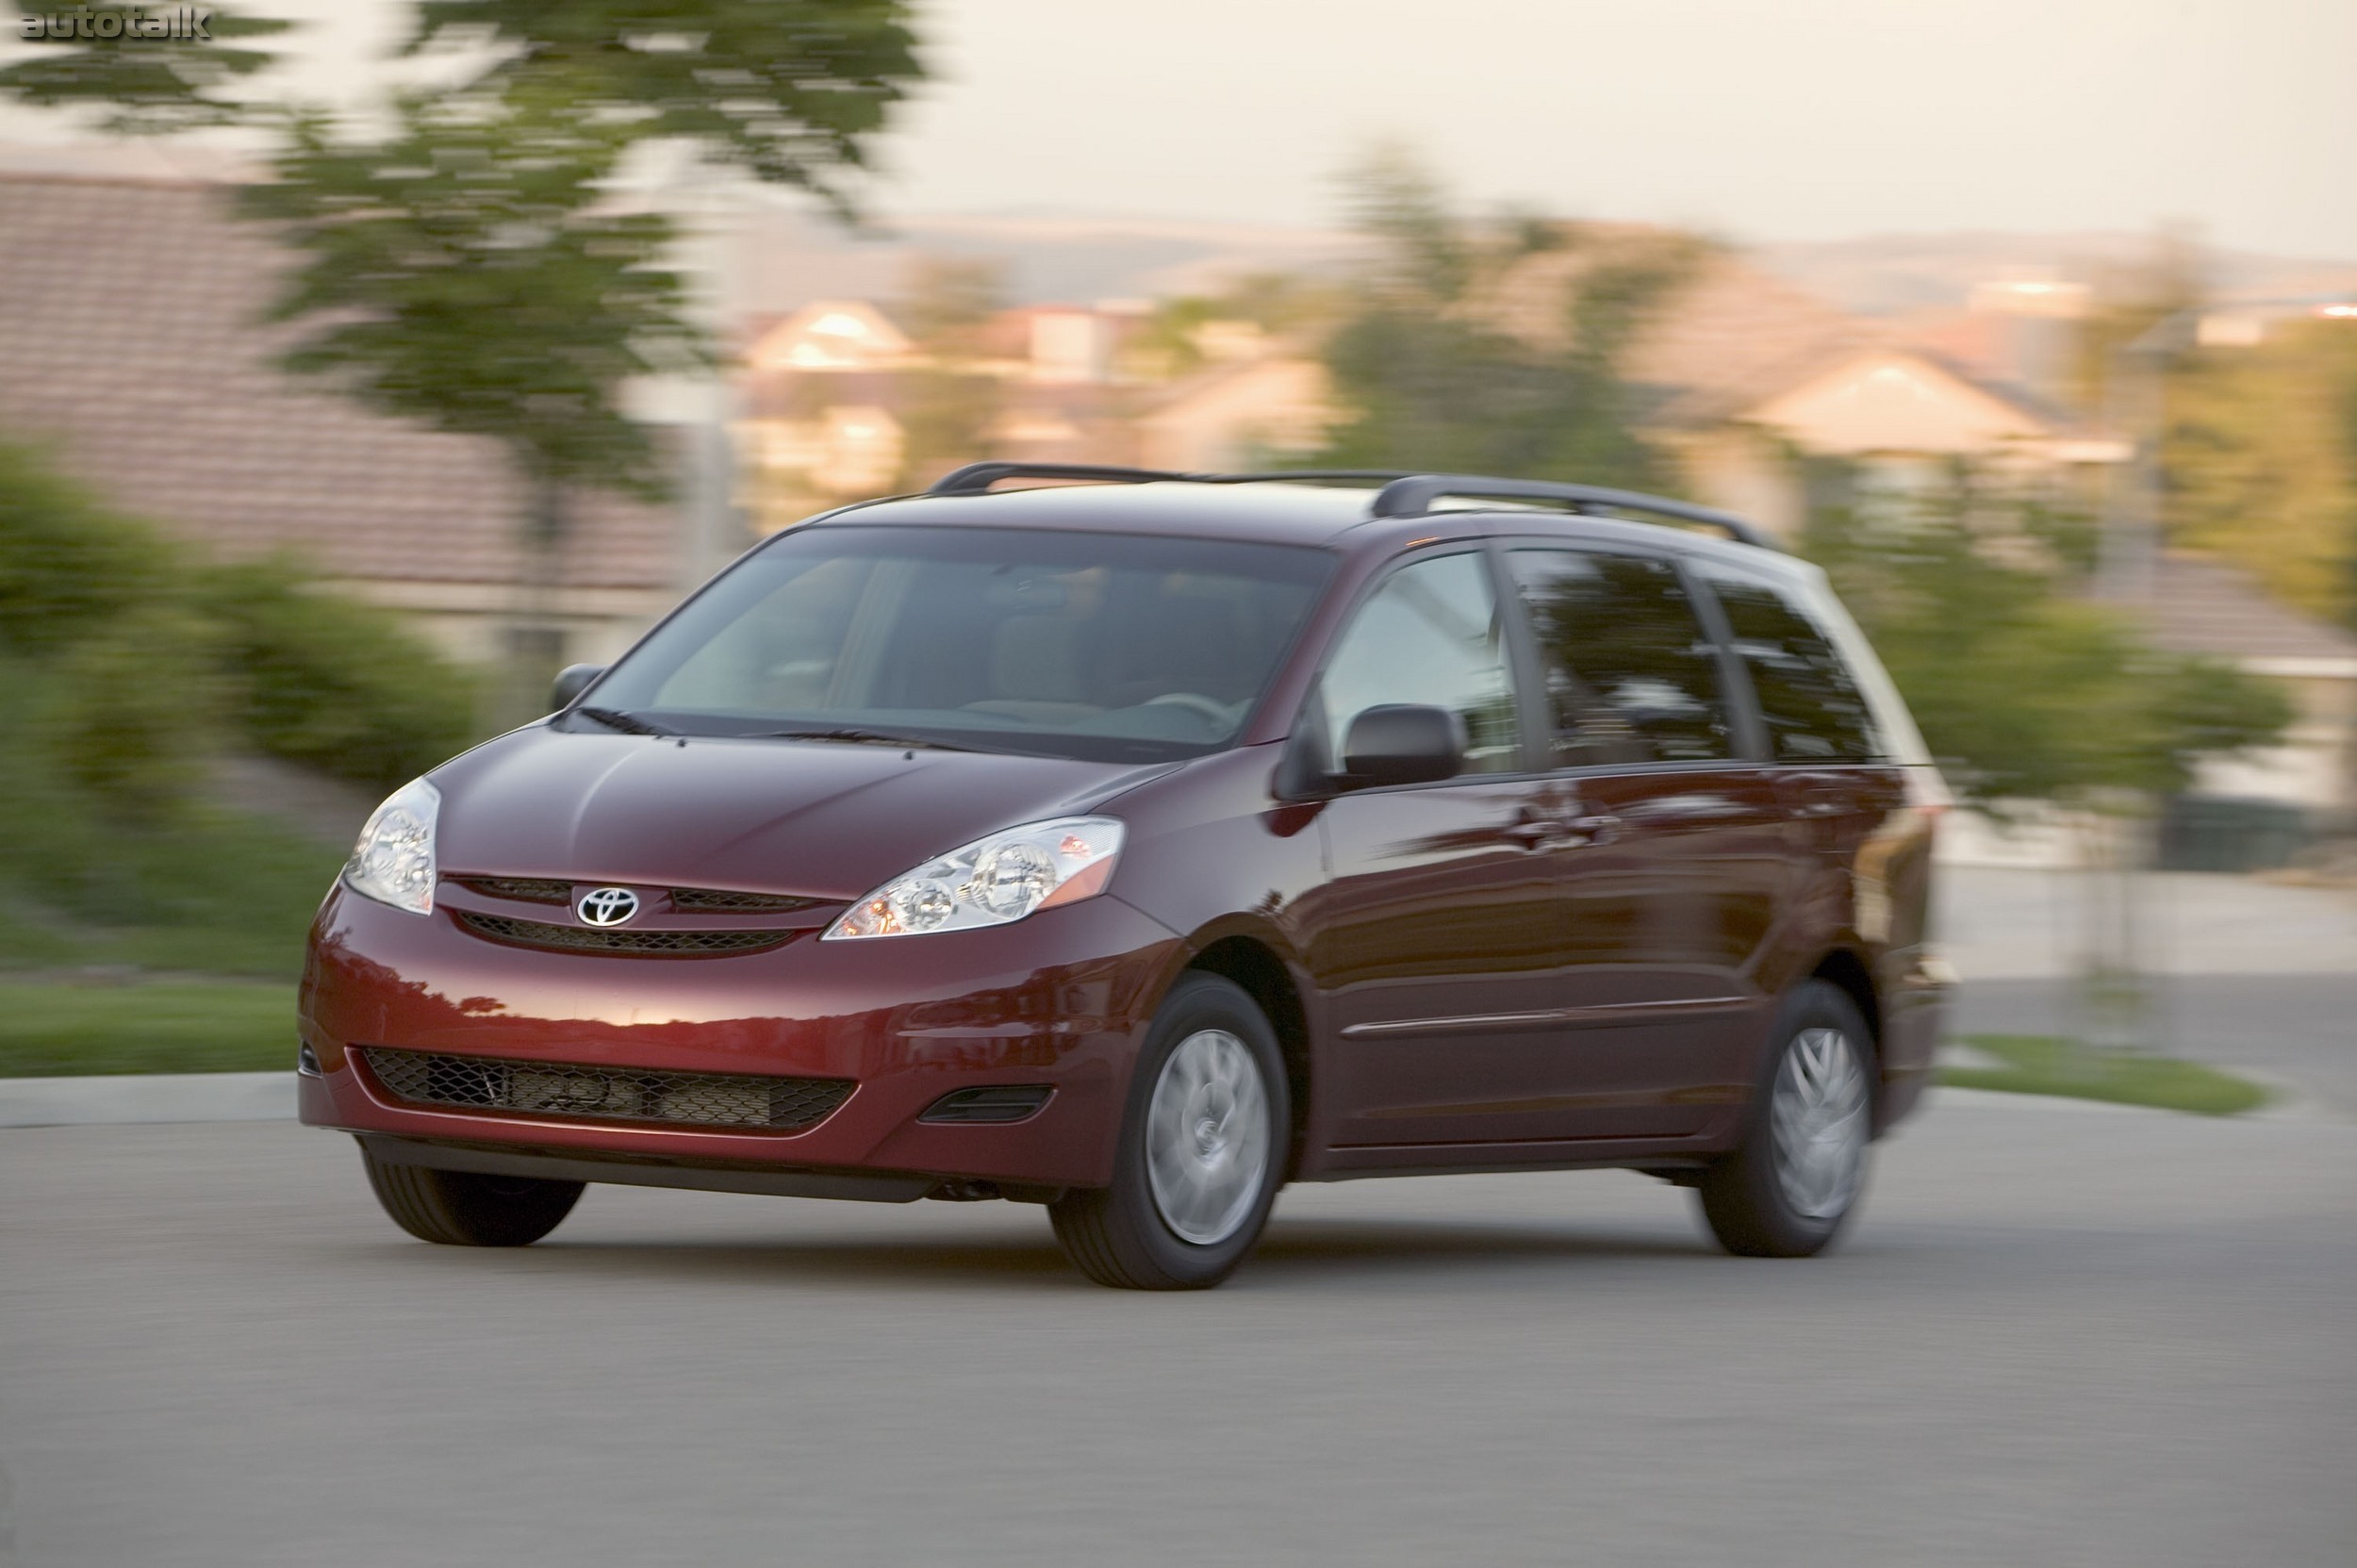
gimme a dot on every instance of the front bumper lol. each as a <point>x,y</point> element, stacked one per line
<point>1059,999</point>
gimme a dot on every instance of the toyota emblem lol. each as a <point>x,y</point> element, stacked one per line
<point>606,906</point>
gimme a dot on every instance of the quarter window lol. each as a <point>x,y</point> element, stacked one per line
<point>1808,698</point>
<point>1430,635</point>
<point>1631,678</point>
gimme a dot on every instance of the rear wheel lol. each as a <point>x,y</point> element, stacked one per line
<point>465,1209</point>
<point>1787,1191</point>
<point>1202,1150</point>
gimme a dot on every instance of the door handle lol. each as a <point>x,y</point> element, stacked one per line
<point>1533,833</point>
<point>1598,828</point>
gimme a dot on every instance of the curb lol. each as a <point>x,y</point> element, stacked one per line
<point>147,1098</point>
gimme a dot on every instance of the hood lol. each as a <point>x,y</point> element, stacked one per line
<point>818,819</point>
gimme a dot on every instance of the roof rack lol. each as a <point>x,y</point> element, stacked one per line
<point>975,478</point>
<point>1413,496</point>
<point>1405,494</point>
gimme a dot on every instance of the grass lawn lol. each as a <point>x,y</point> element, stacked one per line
<point>173,1027</point>
<point>2041,1065</point>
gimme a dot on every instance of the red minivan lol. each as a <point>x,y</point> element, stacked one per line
<point>1134,848</point>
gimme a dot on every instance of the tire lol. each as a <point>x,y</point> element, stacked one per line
<point>463,1209</point>
<point>1203,1148</point>
<point>1787,1190</point>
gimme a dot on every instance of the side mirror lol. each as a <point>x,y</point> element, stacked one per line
<point>1402,743</point>
<point>571,682</point>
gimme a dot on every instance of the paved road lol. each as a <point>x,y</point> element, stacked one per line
<point>2057,1337</point>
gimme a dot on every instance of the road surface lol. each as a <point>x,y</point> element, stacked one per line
<point>2056,1336</point>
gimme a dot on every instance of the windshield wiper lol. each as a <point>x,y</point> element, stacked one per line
<point>864,737</point>
<point>630,724</point>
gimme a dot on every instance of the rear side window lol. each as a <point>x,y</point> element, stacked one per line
<point>1810,699</point>
<point>1630,676</point>
<point>1430,635</point>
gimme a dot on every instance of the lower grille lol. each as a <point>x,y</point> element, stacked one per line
<point>684,944</point>
<point>606,1094</point>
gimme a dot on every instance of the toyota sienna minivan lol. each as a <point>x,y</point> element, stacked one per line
<point>1136,847</point>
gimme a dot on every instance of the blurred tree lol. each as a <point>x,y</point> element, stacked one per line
<point>2260,456</point>
<point>464,273</point>
<point>2025,688</point>
<point>1433,378</point>
<point>470,268</point>
<point>145,86</point>
<point>1171,342</point>
<point>789,91</point>
<point>2259,441</point>
<point>951,401</point>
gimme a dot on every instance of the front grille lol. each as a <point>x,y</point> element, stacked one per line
<point>606,1094</point>
<point>677,944</point>
<point>535,890</point>
<point>687,900</point>
<point>716,900</point>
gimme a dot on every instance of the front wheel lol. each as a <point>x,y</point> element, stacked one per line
<point>1202,1150</point>
<point>458,1208</point>
<point>1785,1192</point>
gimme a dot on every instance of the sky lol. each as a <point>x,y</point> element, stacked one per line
<point>1753,119</point>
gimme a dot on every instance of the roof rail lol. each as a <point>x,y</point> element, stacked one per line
<point>975,478</point>
<point>1405,494</point>
<point>1413,496</point>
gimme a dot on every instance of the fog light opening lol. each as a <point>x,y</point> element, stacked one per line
<point>997,1103</point>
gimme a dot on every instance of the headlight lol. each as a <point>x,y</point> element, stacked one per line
<point>991,881</point>
<point>394,862</point>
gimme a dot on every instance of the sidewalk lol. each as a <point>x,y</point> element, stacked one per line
<point>2007,924</point>
<point>147,1098</point>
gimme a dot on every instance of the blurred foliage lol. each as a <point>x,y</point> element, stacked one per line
<point>460,274</point>
<point>949,403</point>
<point>2259,444</point>
<point>328,682</point>
<point>1431,372</point>
<point>184,886</point>
<point>134,710</point>
<point>182,1028</point>
<point>2261,461</point>
<point>134,659</point>
<point>66,563</point>
<point>126,664</point>
<point>1171,342</point>
<point>790,90</point>
<point>148,86</point>
<point>473,268</point>
<point>2024,688</point>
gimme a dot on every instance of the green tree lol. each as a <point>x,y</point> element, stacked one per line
<point>470,269</point>
<point>2025,688</point>
<point>2260,458</point>
<point>147,87</point>
<point>950,401</point>
<point>1434,372</point>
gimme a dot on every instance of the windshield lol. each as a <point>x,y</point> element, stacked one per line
<point>1095,646</point>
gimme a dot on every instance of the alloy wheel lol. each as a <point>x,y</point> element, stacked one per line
<point>1818,1117</point>
<point>1207,1137</point>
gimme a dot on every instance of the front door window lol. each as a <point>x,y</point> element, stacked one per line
<point>1430,635</point>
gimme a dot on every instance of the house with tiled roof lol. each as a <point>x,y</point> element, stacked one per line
<point>1742,376</point>
<point>134,355</point>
